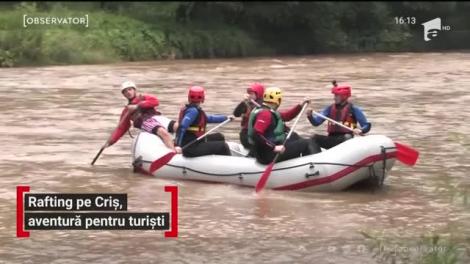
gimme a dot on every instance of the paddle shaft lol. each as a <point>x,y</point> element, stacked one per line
<point>102,148</point>
<point>207,133</point>
<point>333,121</point>
<point>97,155</point>
<point>405,154</point>
<point>255,103</point>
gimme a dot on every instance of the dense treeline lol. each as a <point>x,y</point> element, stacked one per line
<point>127,31</point>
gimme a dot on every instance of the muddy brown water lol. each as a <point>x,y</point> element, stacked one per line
<point>54,120</point>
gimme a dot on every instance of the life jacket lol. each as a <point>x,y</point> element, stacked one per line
<point>141,114</point>
<point>198,127</point>
<point>343,115</point>
<point>275,132</point>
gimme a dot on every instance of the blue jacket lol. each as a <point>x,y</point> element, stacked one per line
<point>189,117</point>
<point>357,112</point>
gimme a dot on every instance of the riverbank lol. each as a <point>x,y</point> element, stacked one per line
<point>119,32</point>
<point>111,38</point>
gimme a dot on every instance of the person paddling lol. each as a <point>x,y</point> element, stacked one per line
<point>254,95</point>
<point>267,131</point>
<point>342,111</point>
<point>141,111</point>
<point>192,124</point>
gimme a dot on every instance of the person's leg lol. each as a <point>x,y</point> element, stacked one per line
<point>207,148</point>
<point>264,158</point>
<point>262,154</point>
<point>162,120</point>
<point>338,139</point>
<point>170,125</point>
<point>294,136</point>
<point>313,147</point>
<point>191,150</point>
<point>215,137</point>
<point>295,149</point>
<point>165,136</point>
<point>151,125</point>
<point>326,142</point>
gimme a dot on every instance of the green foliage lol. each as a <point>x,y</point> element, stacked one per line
<point>16,44</point>
<point>197,43</point>
<point>129,31</point>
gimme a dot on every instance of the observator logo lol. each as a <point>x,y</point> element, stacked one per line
<point>54,20</point>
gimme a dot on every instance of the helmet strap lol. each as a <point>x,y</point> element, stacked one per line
<point>271,105</point>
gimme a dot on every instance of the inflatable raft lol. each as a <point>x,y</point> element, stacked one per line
<point>358,159</point>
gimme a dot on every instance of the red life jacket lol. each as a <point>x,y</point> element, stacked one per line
<point>139,116</point>
<point>198,127</point>
<point>343,115</point>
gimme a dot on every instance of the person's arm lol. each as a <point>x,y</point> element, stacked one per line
<point>216,118</point>
<point>240,109</point>
<point>262,122</point>
<point>290,114</point>
<point>317,120</point>
<point>361,119</point>
<point>148,101</point>
<point>124,125</point>
<point>189,117</point>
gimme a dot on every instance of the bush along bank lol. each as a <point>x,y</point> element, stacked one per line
<point>131,31</point>
<point>112,38</point>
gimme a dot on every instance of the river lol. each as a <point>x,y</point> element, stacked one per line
<point>55,119</point>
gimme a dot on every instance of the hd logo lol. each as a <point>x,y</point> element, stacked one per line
<point>432,28</point>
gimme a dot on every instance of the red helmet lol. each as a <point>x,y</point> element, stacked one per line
<point>343,90</point>
<point>256,88</point>
<point>196,94</point>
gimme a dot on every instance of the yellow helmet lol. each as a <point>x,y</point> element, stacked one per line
<point>273,95</point>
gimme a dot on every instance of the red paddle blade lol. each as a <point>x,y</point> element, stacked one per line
<point>406,154</point>
<point>264,178</point>
<point>157,164</point>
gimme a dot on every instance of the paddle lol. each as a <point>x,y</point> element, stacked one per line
<point>167,157</point>
<point>105,144</point>
<point>97,155</point>
<point>405,154</point>
<point>264,178</point>
<point>255,103</point>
